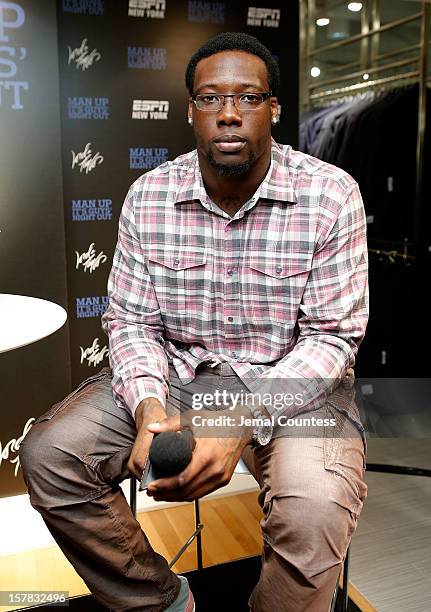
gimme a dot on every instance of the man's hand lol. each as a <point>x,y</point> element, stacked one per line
<point>213,460</point>
<point>148,411</point>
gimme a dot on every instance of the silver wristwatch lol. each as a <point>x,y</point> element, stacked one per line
<point>262,434</point>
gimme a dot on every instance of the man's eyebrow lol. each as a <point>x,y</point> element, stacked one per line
<point>216,86</point>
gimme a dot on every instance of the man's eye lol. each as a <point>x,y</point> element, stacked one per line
<point>209,99</point>
<point>250,98</point>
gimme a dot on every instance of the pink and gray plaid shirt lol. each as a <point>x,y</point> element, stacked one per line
<point>279,290</point>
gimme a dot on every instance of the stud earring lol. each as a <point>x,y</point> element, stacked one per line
<point>190,121</point>
<point>274,121</point>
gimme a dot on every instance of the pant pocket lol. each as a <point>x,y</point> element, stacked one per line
<point>344,458</point>
<point>49,414</point>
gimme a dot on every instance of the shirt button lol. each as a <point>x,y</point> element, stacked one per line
<point>176,261</point>
<point>230,272</point>
<point>279,269</point>
<point>230,319</point>
<point>234,354</point>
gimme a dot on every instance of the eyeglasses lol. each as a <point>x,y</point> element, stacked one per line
<point>244,102</point>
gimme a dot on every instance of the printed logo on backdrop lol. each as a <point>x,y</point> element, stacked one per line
<point>94,354</point>
<point>147,158</point>
<point>150,109</point>
<point>153,9</point>
<point>87,108</point>
<point>89,307</point>
<point>147,58</point>
<point>90,260</point>
<point>206,12</point>
<point>12,18</point>
<point>82,57</point>
<point>84,7</point>
<point>86,160</point>
<point>91,210</point>
<point>8,449</point>
<point>263,17</point>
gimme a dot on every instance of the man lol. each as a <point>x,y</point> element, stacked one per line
<point>240,266</point>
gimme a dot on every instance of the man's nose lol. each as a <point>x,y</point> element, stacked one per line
<point>229,114</point>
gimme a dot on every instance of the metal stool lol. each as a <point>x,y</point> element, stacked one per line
<point>196,534</point>
<point>240,469</point>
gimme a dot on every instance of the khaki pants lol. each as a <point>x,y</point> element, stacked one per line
<point>311,493</point>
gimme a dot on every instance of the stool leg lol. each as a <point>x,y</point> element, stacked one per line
<point>133,484</point>
<point>195,535</point>
<point>335,595</point>
<point>198,536</point>
<point>345,597</point>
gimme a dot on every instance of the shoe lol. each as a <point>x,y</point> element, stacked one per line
<point>185,601</point>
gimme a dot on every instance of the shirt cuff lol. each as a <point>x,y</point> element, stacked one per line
<point>141,388</point>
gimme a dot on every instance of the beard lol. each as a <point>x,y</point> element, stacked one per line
<point>231,169</point>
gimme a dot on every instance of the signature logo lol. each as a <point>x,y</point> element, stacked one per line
<point>85,160</point>
<point>82,56</point>
<point>94,354</point>
<point>13,447</point>
<point>89,260</point>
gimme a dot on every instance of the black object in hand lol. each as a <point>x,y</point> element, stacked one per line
<point>171,452</point>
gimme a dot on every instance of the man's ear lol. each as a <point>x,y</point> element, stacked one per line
<point>274,109</point>
<point>190,108</point>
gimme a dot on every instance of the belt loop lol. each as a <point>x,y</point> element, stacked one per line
<point>225,369</point>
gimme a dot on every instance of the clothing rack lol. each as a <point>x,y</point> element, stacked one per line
<point>405,79</point>
<point>393,256</point>
<point>368,63</point>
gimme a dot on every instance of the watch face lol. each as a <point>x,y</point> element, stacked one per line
<point>264,435</point>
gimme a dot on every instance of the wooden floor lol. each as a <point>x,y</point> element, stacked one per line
<point>236,517</point>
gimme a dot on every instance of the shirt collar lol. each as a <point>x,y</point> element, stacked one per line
<point>277,185</point>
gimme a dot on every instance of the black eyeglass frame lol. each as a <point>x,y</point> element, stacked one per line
<point>265,95</point>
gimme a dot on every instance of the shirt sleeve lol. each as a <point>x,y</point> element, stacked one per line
<point>332,317</point>
<point>133,321</point>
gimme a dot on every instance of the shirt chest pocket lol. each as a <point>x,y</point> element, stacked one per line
<point>179,278</point>
<point>277,285</point>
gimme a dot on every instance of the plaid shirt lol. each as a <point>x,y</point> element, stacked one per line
<point>279,290</point>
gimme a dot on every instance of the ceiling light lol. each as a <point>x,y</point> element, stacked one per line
<point>355,7</point>
<point>315,71</point>
<point>323,21</point>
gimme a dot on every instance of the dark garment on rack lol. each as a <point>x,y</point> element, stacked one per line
<point>328,130</point>
<point>380,152</point>
<point>339,133</point>
<point>375,141</point>
<point>310,126</point>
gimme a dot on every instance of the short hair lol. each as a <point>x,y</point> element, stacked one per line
<point>235,41</point>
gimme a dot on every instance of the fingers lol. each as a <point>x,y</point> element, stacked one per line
<point>144,438</point>
<point>204,474</point>
<point>139,454</point>
<point>203,484</point>
<point>171,423</point>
